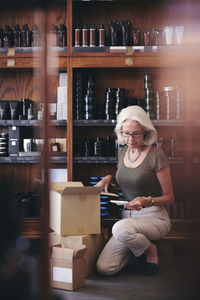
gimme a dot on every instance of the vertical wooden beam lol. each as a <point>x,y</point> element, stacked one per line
<point>70,120</point>
<point>45,286</point>
<point>69,92</point>
<point>69,26</point>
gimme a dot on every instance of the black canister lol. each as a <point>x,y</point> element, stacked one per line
<point>14,109</point>
<point>4,110</point>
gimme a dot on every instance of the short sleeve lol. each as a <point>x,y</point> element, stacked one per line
<point>120,154</point>
<point>158,159</point>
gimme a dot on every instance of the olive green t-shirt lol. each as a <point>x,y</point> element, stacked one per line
<point>141,180</point>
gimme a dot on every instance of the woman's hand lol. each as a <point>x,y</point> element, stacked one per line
<point>105,182</point>
<point>137,203</point>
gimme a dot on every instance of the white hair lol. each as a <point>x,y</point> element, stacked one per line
<point>136,113</point>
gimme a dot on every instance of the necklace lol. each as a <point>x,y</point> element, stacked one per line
<point>133,160</point>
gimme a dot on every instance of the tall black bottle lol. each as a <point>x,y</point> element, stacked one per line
<point>89,100</point>
<point>125,25</point>
<point>98,149</point>
<point>35,36</point>
<point>62,36</point>
<point>115,33</point>
<point>8,37</point>
<point>54,33</point>
<point>17,36</point>
<point>79,92</point>
<point>26,36</point>
<point>110,104</point>
<point>1,37</point>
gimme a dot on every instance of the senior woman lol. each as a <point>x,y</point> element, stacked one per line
<point>143,175</point>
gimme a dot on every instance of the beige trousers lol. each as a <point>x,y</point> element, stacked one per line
<point>130,238</point>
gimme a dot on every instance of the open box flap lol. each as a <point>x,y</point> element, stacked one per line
<point>82,190</point>
<point>60,186</point>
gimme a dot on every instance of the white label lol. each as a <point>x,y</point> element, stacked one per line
<point>14,143</point>
<point>14,127</point>
<point>62,274</point>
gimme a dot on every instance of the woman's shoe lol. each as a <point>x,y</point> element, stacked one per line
<point>148,268</point>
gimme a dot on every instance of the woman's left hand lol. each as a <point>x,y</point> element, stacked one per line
<point>136,203</point>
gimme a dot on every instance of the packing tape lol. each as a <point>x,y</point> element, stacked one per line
<point>82,197</point>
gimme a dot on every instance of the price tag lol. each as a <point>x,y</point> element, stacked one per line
<point>10,63</point>
<point>129,50</point>
<point>129,62</point>
<point>11,52</point>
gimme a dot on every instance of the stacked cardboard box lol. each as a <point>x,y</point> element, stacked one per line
<point>77,239</point>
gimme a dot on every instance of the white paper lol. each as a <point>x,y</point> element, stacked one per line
<point>58,175</point>
<point>62,274</point>
<point>118,202</point>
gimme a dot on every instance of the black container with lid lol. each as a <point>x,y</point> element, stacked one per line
<point>85,35</point>
<point>102,35</point>
<point>98,149</point>
<point>92,35</point>
<point>77,31</point>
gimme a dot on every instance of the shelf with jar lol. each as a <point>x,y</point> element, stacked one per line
<point>30,228</point>
<point>22,36</point>
<point>22,121</point>
<point>120,24</point>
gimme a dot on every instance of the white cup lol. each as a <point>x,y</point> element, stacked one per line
<point>25,144</point>
<point>168,35</point>
<point>178,33</point>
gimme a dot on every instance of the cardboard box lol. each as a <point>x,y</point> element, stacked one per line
<point>68,268</point>
<point>74,208</point>
<point>93,242</point>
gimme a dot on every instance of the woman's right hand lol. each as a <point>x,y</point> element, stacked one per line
<point>105,182</point>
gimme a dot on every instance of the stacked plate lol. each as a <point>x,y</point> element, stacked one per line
<point>104,199</point>
<point>3,144</point>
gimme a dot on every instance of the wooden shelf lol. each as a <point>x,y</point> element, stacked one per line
<point>30,159</point>
<point>113,160</point>
<point>29,58</point>
<point>113,123</point>
<point>31,228</point>
<point>121,60</point>
<point>28,123</point>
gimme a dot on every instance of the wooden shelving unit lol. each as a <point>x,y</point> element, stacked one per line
<point>124,67</point>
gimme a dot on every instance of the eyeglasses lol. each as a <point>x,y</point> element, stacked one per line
<point>135,134</point>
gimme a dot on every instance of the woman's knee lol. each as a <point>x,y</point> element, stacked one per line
<point>103,268</point>
<point>120,230</point>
